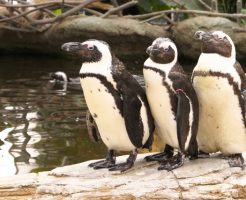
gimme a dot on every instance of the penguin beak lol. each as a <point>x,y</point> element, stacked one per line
<point>151,51</point>
<point>203,36</point>
<point>199,35</point>
<point>148,50</point>
<point>71,47</point>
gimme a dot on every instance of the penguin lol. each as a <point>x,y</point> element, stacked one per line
<point>219,81</point>
<point>173,103</point>
<point>61,81</point>
<point>117,103</point>
<point>58,76</point>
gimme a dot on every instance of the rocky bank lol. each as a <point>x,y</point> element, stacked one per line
<point>127,37</point>
<point>209,178</point>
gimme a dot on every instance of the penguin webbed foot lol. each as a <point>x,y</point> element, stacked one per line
<point>174,163</point>
<point>236,160</point>
<point>127,165</point>
<point>107,163</point>
<point>161,157</point>
<point>157,157</point>
<point>121,167</point>
<point>102,164</point>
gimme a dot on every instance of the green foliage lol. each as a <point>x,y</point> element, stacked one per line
<point>146,6</point>
<point>243,20</point>
<point>229,6</point>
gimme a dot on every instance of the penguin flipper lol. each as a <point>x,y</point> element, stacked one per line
<point>92,128</point>
<point>187,102</point>
<point>182,117</point>
<point>241,73</point>
<point>132,115</point>
<point>132,96</point>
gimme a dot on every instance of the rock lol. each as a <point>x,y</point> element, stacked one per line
<point>209,178</point>
<point>183,34</point>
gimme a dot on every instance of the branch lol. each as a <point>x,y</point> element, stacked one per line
<point>115,4</point>
<point>205,5</point>
<point>64,15</point>
<point>28,5</point>
<point>235,29</point>
<point>157,17</point>
<point>23,13</point>
<point>49,12</point>
<point>152,18</point>
<point>168,19</point>
<point>93,12</point>
<point>38,4</point>
<point>122,7</point>
<point>17,29</point>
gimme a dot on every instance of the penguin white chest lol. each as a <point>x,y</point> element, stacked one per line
<point>221,126</point>
<point>102,106</point>
<point>161,108</point>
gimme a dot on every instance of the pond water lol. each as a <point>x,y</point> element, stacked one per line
<point>41,127</point>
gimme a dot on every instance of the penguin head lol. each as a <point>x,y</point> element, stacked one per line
<point>90,51</point>
<point>59,76</point>
<point>163,51</point>
<point>216,42</point>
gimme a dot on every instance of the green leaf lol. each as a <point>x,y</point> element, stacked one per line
<point>57,11</point>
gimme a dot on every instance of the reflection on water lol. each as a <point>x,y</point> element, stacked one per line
<point>41,127</point>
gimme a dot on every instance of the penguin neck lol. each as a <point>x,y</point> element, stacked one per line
<point>163,67</point>
<point>215,60</point>
<point>103,66</point>
<point>218,63</point>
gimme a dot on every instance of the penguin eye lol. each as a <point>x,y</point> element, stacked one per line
<point>219,37</point>
<point>166,48</point>
<point>90,48</point>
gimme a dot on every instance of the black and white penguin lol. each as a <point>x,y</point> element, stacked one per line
<point>116,101</point>
<point>173,104</point>
<point>219,82</point>
<point>58,76</point>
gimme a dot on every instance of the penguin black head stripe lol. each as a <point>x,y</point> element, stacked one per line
<point>216,42</point>
<point>162,51</point>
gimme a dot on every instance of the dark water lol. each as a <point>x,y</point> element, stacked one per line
<point>41,127</point>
